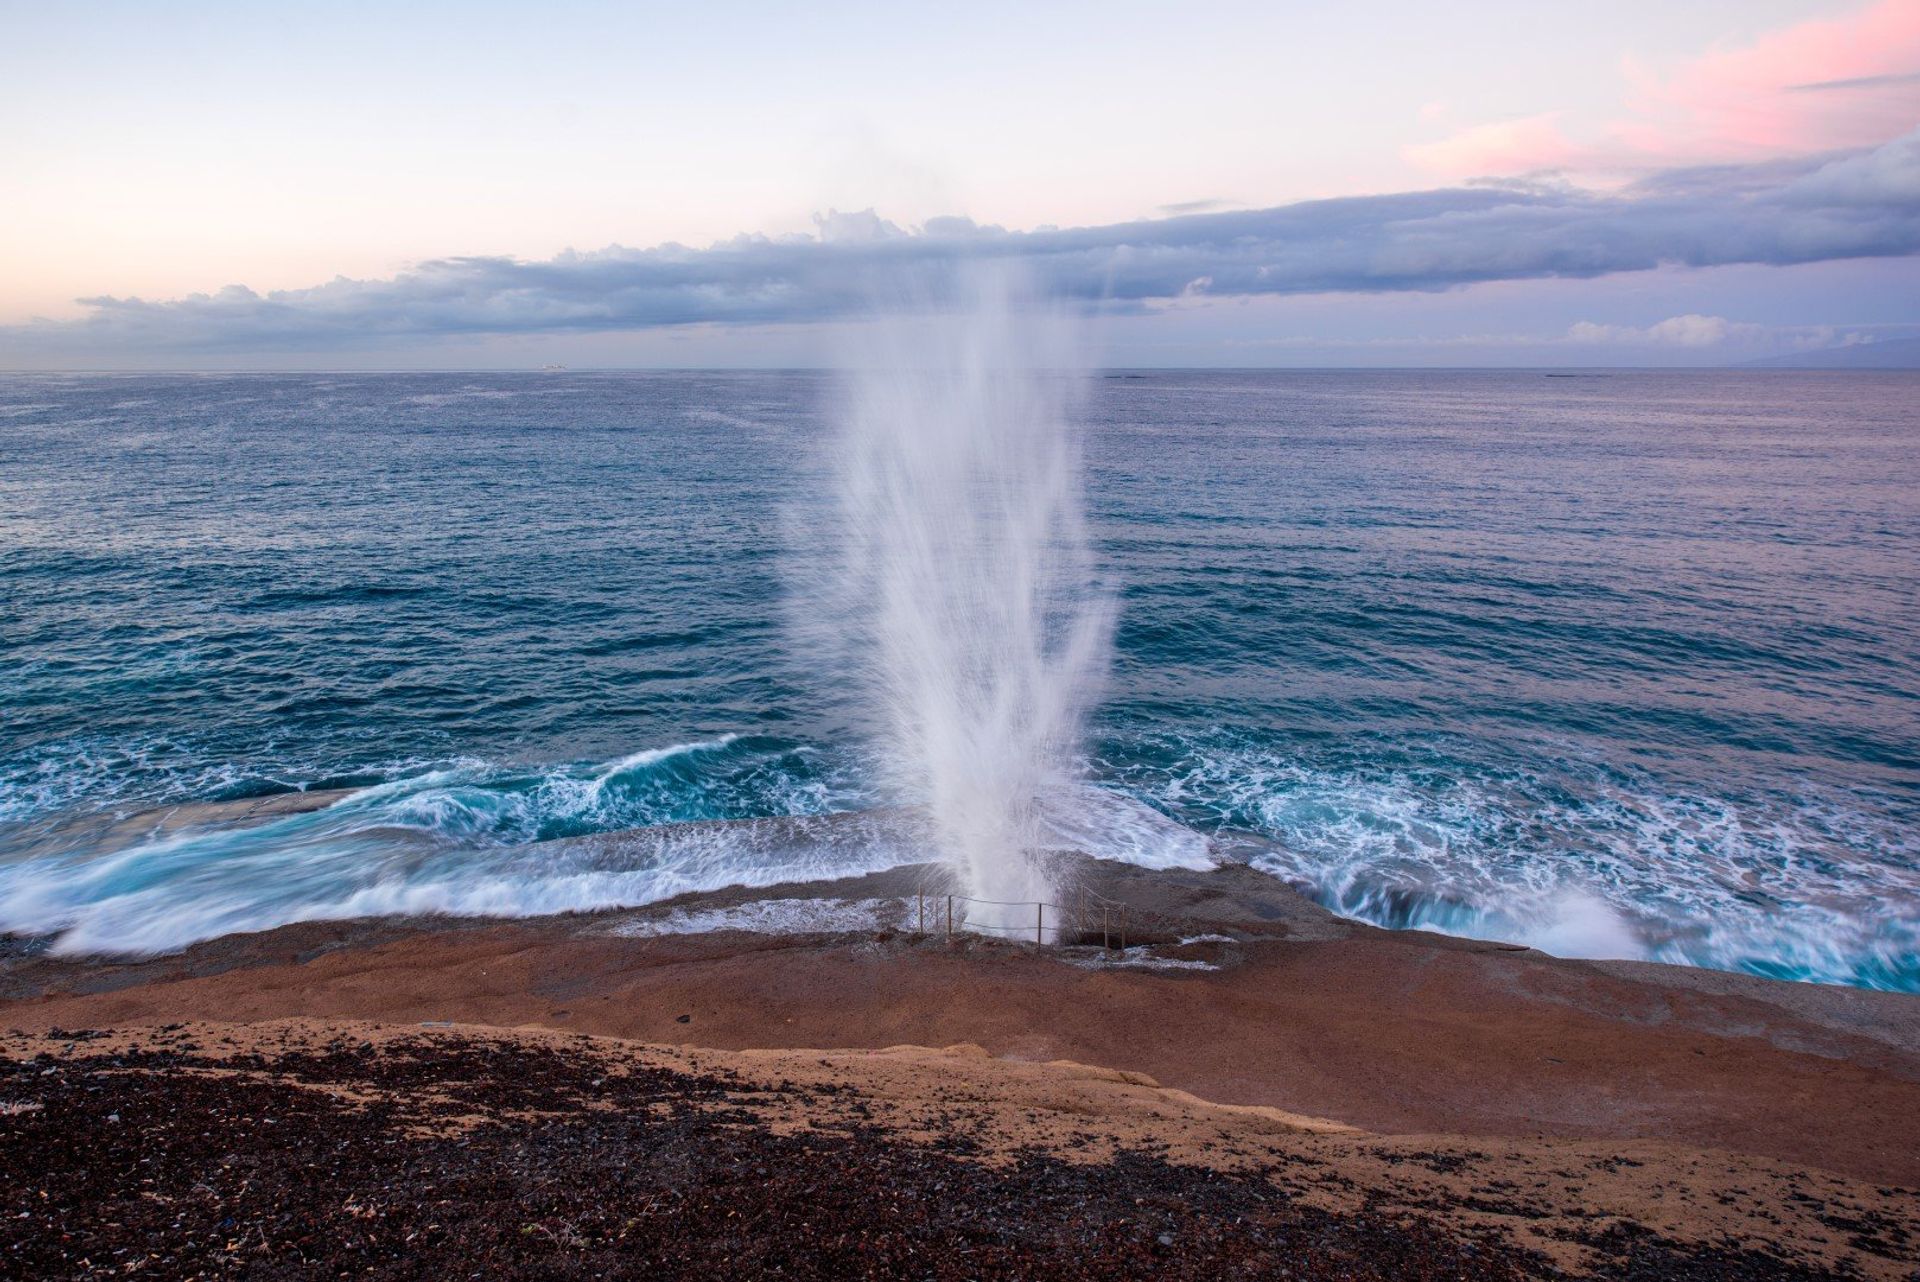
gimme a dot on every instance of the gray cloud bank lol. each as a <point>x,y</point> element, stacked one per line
<point>1866,204</point>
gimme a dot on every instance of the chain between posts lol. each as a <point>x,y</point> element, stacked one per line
<point>1113,917</point>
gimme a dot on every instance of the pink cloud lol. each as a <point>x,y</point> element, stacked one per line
<point>1821,85</point>
<point>1502,147</point>
<point>1814,86</point>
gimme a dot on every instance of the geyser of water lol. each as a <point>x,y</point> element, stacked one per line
<point>967,578</point>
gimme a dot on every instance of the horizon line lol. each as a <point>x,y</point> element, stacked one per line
<point>1768,365</point>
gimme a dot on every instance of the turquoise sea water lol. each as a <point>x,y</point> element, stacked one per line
<point>1618,665</point>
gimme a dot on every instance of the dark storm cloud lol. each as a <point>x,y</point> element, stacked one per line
<point>1862,205</point>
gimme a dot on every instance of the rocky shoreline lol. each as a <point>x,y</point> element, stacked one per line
<point>645,1093</point>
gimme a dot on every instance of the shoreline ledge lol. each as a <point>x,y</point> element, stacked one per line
<point>1260,1071</point>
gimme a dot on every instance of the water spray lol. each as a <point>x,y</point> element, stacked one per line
<point>966,579</point>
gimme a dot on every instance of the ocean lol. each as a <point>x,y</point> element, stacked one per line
<point>1617,664</point>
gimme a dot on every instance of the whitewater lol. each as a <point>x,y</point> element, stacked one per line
<point>1613,667</point>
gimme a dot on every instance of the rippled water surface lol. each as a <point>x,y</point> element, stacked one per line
<point>1618,665</point>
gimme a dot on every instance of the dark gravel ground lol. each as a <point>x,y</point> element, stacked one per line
<point>455,1157</point>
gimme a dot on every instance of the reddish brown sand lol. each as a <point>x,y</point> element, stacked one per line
<point>1704,1108</point>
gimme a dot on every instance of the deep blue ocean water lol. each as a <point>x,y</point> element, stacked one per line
<point>1619,665</point>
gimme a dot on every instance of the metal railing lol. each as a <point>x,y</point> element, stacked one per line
<point>1074,920</point>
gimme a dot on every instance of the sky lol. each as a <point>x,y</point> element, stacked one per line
<point>482,185</point>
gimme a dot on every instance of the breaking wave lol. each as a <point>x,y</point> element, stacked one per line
<point>472,839</point>
<point>1571,857</point>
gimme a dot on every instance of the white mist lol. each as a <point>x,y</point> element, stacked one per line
<point>966,580</point>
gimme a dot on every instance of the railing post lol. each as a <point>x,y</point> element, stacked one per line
<point>1106,940</point>
<point>1039,922</point>
<point>949,916</point>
